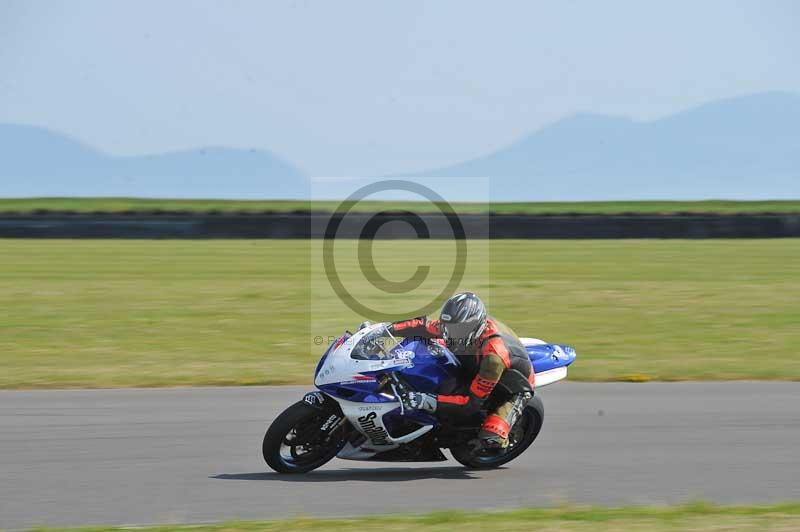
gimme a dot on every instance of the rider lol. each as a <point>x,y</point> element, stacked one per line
<point>486,349</point>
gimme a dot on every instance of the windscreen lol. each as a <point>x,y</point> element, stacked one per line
<point>376,345</point>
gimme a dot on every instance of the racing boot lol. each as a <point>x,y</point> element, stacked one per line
<point>493,435</point>
<point>494,431</point>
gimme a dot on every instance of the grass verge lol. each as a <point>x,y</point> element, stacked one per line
<point>117,205</point>
<point>697,517</point>
<point>116,313</point>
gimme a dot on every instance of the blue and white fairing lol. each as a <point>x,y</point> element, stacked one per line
<point>549,361</point>
<point>348,369</point>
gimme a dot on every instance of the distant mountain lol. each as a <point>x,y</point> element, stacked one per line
<point>38,162</point>
<point>739,148</point>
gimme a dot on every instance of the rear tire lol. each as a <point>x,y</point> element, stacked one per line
<point>295,443</point>
<point>521,436</point>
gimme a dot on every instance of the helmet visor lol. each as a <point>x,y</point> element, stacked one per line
<point>459,334</point>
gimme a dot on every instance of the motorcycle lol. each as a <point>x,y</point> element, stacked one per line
<point>358,413</point>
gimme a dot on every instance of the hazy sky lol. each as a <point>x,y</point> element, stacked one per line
<point>374,87</point>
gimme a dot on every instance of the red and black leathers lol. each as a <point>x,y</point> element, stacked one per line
<point>495,351</point>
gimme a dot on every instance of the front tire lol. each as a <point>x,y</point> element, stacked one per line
<point>296,443</point>
<point>521,436</point>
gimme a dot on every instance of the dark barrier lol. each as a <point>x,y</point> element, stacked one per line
<point>397,225</point>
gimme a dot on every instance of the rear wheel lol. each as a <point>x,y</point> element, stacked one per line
<point>303,438</point>
<point>520,437</point>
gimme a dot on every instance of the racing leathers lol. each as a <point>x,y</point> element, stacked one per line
<point>494,352</point>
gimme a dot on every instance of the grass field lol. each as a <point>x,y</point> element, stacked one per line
<point>27,205</point>
<point>696,517</point>
<point>154,313</point>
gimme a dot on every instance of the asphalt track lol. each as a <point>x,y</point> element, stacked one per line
<point>193,455</point>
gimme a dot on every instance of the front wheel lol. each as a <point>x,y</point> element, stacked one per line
<point>303,438</point>
<point>520,437</point>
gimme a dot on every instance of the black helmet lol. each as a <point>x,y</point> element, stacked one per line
<point>463,319</point>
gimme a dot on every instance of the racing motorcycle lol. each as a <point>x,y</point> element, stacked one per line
<point>358,412</point>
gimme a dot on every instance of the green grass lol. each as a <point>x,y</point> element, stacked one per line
<point>697,517</point>
<point>27,205</point>
<point>116,313</point>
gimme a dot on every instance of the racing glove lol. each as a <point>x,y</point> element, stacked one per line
<point>420,401</point>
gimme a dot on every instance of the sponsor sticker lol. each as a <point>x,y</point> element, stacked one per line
<point>376,433</point>
<point>313,398</point>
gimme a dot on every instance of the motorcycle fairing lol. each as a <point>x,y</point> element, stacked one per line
<point>370,421</point>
